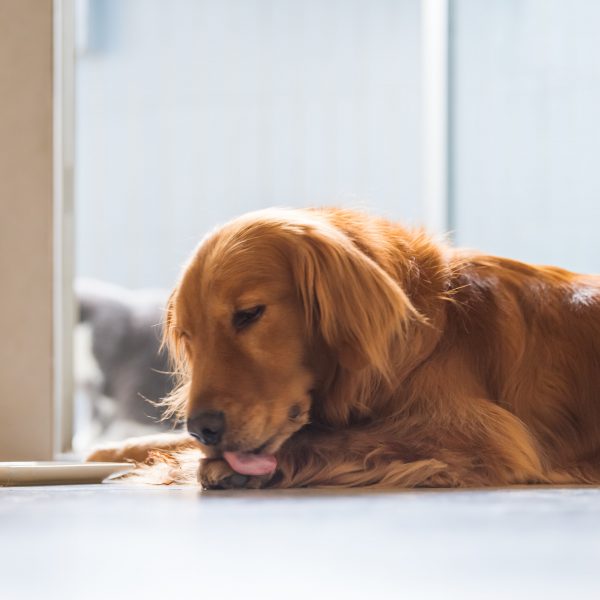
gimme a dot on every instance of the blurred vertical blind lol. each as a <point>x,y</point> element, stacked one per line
<point>526,129</point>
<point>190,112</point>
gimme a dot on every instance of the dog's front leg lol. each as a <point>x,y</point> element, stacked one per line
<point>494,449</point>
<point>355,458</point>
<point>139,449</point>
<point>349,458</point>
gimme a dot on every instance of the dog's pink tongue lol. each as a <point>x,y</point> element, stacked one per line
<point>247,463</point>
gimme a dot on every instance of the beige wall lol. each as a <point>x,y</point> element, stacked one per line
<point>26,378</point>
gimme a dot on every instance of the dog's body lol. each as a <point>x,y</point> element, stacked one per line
<point>341,349</point>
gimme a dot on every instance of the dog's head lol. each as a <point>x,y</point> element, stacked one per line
<point>268,306</point>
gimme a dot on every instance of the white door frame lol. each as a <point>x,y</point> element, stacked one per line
<point>64,142</point>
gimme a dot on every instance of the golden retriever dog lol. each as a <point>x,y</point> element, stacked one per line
<point>326,347</point>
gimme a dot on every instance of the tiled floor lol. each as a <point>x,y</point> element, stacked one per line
<point>124,541</point>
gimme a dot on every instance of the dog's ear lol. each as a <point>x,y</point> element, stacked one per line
<point>355,304</point>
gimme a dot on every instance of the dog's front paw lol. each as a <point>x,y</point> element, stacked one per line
<point>216,474</point>
<point>106,453</point>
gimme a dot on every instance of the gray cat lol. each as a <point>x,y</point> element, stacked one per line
<point>125,343</point>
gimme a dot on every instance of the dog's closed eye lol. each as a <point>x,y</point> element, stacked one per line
<point>243,318</point>
<point>294,412</point>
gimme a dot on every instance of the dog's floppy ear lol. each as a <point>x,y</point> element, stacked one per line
<point>355,304</point>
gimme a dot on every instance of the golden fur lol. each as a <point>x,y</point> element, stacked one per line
<point>402,362</point>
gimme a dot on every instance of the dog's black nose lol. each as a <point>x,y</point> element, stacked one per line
<point>207,426</point>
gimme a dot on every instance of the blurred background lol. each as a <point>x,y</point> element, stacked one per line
<point>193,111</point>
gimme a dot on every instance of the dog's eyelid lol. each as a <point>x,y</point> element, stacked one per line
<point>256,308</point>
<point>244,317</point>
